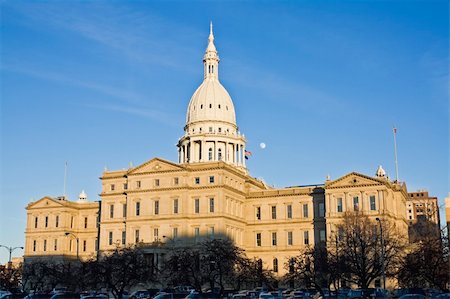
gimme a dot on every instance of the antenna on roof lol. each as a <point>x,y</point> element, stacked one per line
<point>394,130</point>
<point>65,179</point>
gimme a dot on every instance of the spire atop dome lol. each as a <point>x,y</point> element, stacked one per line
<point>211,58</point>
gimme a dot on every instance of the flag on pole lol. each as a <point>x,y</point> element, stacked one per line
<point>395,130</point>
<point>247,154</point>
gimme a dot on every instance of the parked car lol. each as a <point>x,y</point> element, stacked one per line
<point>412,296</point>
<point>442,296</point>
<point>266,295</point>
<point>66,295</point>
<point>6,295</point>
<point>38,296</point>
<point>141,294</point>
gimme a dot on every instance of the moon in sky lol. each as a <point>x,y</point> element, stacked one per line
<point>262,145</point>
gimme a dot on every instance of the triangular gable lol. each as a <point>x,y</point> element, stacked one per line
<point>46,202</point>
<point>155,164</point>
<point>354,179</point>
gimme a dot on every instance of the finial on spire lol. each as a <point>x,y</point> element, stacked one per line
<point>210,28</point>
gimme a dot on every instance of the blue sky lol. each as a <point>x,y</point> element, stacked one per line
<point>102,84</point>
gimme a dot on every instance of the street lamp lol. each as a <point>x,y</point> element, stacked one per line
<point>383,273</point>
<point>78,243</point>
<point>11,249</point>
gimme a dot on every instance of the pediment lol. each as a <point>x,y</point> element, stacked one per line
<point>354,179</point>
<point>155,165</point>
<point>46,202</point>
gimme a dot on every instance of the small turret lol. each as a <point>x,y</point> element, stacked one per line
<point>82,197</point>
<point>380,172</point>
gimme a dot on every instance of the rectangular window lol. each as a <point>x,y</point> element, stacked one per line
<point>274,212</point>
<point>322,236</point>
<point>275,265</point>
<point>289,238</point>
<point>110,238</point>
<point>138,184</point>
<point>196,206</point>
<point>124,210</point>
<point>113,187</point>
<point>356,203</point>
<point>57,221</point>
<point>339,205</point>
<point>111,211</point>
<point>289,211</point>
<point>321,209</point>
<point>176,181</point>
<point>305,211</point>
<point>46,221</point>
<point>96,244</point>
<point>125,186</point>
<point>175,232</point>
<point>211,205</point>
<point>258,239</point>
<point>306,237</point>
<point>84,245</point>
<point>196,232</point>
<point>138,208</point>
<point>197,180</point>
<point>85,222</point>
<point>373,206</point>
<point>55,245</point>
<point>34,245</point>
<point>124,237</point>
<point>156,207</point>
<point>136,235</point>
<point>175,206</point>
<point>155,234</point>
<point>211,231</point>
<point>71,222</point>
<point>36,222</point>
<point>258,213</point>
<point>45,245</point>
<point>156,182</point>
<point>274,239</point>
<point>211,179</point>
<point>70,245</point>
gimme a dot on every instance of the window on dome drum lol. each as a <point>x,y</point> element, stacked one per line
<point>289,211</point>
<point>258,213</point>
<point>197,180</point>
<point>210,105</point>
<point>274,212</point>
<point>110,238</point>
<point>258,239</point>
<point>201,106</point>
<point>210,154</point>
<point>226,107</point>
<point>373,206</point>
<point>200,130</point>
<point>124,237</point>
<point>219,106</point>
<point>339,205</point>
<point>356,203</point>
<point>289,238</point>
<point>219,154</point>
<point>211,179</point>
<point>220,129</point>
<point>210,130</point>
<point>275,265</point>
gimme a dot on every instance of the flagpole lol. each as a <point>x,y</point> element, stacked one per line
<point>394,130</point>
<point>65,179</point>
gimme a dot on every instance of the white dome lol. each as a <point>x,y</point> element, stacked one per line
<point>211,102</point>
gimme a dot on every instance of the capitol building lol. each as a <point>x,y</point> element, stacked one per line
<point>208,192</point>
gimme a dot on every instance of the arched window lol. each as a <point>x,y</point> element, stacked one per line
<point>275,265</point>
<point>220,154</point>
<point>210,154</point>
<point>209,69</point>
<point>212,69</point>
